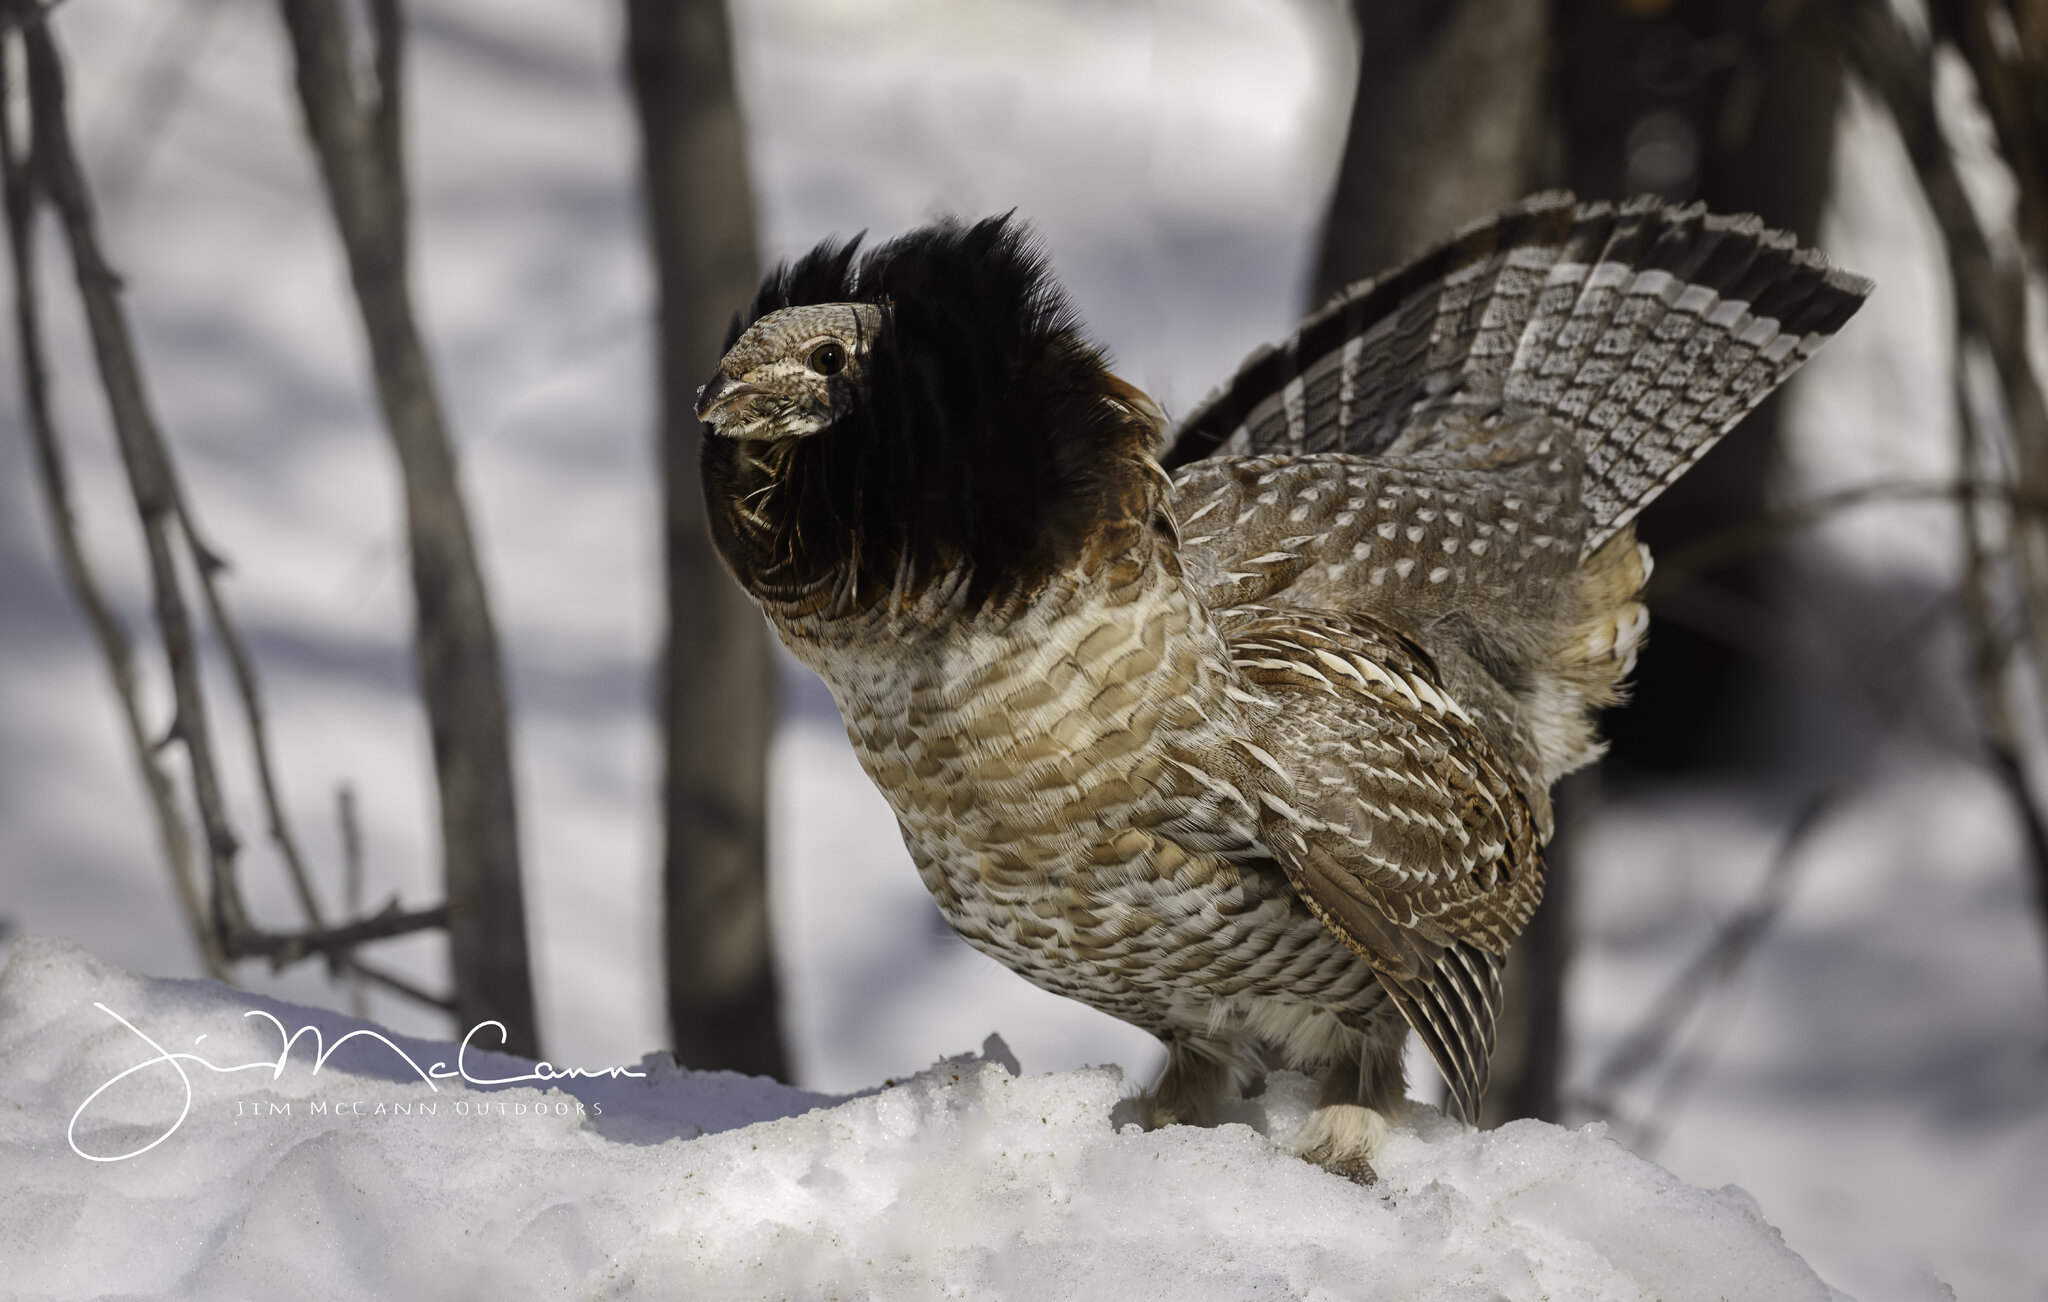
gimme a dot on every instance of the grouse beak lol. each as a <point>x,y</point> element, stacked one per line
<point>722,392</point>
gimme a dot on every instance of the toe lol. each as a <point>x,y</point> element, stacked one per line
<point>1342,1138</point>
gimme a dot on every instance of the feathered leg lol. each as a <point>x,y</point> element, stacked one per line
<point>1365,1089</point>
<point>1192,1089</point>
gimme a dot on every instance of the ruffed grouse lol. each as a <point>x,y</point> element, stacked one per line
<point>1244,732</point>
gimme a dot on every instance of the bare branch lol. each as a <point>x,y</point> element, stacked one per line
<point>2010,60</point>
<point>1718,963</point>
<point>150,476</point>
<point>208,564</point>
<point>222,924</point>
<point>397,985</point>
<point>285,948</point>
<point>1990,666</point>
<point>1685,564</point>
<point>387,28</point>
<point>158,90</point>
<point>352,886</point>
<point>359,150</point>
<point>22,193</point>
<point>1991,296</point>
<point>1991,312</point>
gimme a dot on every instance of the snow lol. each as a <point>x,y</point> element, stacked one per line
<point>968,1180</point>
<point>1878,1081</point>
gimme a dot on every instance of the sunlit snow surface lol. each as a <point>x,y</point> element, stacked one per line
<point>966,1181</point>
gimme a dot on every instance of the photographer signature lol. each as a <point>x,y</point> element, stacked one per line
<point>440,1071</point>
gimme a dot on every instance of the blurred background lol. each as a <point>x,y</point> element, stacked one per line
<point>414,297</point>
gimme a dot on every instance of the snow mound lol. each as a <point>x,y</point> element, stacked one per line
<point>364,1179</point>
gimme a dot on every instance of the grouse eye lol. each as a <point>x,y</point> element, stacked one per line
<point>828,358</point>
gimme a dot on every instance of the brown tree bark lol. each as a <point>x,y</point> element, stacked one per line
<point>1445,125</point>
<point>356,133</point>
<point>1529,1045</point>
<point>717,685</point>
<point>1734,104</point>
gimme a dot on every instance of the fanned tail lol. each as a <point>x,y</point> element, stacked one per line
<point>1346,380</point>
<point>1648,330</point>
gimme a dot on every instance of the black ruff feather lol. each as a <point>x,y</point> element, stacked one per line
<point>980,431</point>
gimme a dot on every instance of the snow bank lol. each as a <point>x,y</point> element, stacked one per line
<point>365,1180</point>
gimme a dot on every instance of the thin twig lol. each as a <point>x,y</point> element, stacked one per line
<point>1989,664</point>
<point>143,454</point>
<point>224,927</point>
<point>352,885</point>
<point>1905,643</point>
<point>54,476</point>
<point>1735,619</point>
<point>1648,1134</point>
<point>285,948</point>
<point>160,88</point>
<point>208,565</point>
<point>1755,534</point>
<point>2010,77</point>
<point>1900,706</point>
<point>398,985</point>
<point>1990,293</point>
<point>1718,963</point>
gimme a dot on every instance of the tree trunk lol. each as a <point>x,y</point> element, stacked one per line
<point>1734,104</point>
<point>1444,127</point>
<point>717,680</point>
<point>357,134</point>
<point>1528,1051</point>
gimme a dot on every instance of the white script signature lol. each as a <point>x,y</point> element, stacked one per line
<point>440,1071</point>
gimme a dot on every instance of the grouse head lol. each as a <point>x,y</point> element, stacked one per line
<point>792,373</point>
<point>929,410</point>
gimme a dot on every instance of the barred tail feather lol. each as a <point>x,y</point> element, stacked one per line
<point>1648,330</point>
<point>1657,342</point>
<point>1345,381</point>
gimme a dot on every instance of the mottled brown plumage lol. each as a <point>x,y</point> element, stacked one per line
<point>1244,734</point>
